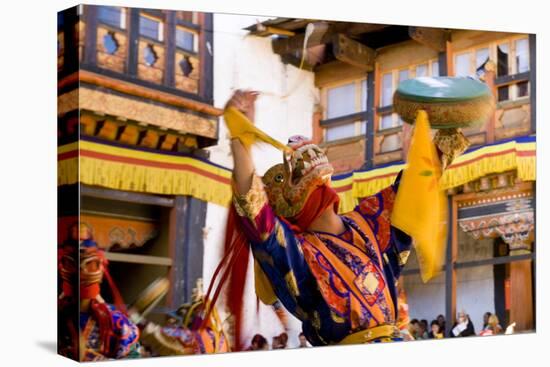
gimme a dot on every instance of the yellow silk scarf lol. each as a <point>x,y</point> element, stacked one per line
<point>241,127</point>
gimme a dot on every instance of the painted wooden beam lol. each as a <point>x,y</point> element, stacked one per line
<point>264,31</point>
<point>125,196</point>
<point>450,68</point>
<point>71,62</point>
<point>450,272</point>
<point>283,46</point>
<point>512,79</point>
<point>109,130</point>
<point>369,146</point>
<point>187,220</point>
<point>169,141</point>
<point>353,29</point>
<point>489,78</point>
<point>323,34</point>
<point>142,92</point>
<point>435,38</point>
<point>296,61</point>
<point>130,135</point>
<point>150,140</point>
<point>442,62</point>
<point>90,36</point>
<point>521,291</point>
<point>133,41</point>
<point>188,141</point>
<point>170,37</point>
<point>340,120</point>
<point>206,52</point>
<point>87,124</point>
<point>352,52</point>
<point>139,259</point>
<point>106,102</point>
<point>495,261</point>
<point>294,44</point>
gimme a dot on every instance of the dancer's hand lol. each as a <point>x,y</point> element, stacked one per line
<point>244,101</point>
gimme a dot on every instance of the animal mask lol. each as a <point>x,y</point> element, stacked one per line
<point>288,185</point>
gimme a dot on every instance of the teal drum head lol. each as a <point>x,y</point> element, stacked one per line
<point>451,102</point>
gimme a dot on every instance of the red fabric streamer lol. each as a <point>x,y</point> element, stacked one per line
<point>67,289</point>
<point>117,297</point>
<point>234,264</point>
<point>90,291</point>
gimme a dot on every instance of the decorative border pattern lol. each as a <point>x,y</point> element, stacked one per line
<point>141,170</point>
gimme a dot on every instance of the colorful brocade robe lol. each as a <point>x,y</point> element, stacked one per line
<point>203,341</point>
<point>177,340</point>
<point>124,342</point>
<point>335,285</point>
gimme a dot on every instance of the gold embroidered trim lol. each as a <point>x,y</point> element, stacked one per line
<point>337,318</point>
<point>292,284</point>
<point>280,233</point>
<point>452,143</point>
<point>249,204</point>
<point>403,256</point>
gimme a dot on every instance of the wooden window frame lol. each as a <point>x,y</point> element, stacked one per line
<point>161,41</point>
<point>513,77</point>
<point>123,21</point>
<point>195,19</point>
<point>355,118</point>
<point>202,31</point>
<point>196,38</point>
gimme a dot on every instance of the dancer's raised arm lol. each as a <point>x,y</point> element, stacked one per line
<point>243,166</point>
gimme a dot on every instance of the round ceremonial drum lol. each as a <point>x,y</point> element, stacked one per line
<point>451,102</point>
<point>151,295</point>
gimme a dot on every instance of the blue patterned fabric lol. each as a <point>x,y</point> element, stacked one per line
<point>123,343</point>
<point>324,309</point>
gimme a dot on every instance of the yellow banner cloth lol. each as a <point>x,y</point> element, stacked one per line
<point>420,208</point>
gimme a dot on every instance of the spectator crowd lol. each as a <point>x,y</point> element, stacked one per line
<point>418,329</point>
<point>259,342</point>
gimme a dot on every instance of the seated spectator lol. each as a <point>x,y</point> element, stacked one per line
<point>283,340</point>
<point>441,322</point>
<point>414,328</point>
<point>302,341</point>
<point>493,327</point>
<point>463,326</point>
<point>423,329</point>
<point>486,316</point>
<point>258,343</point>
<point>276,343</point>
<point>435,330</point>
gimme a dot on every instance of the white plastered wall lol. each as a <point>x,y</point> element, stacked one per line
<point>284,108</point>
